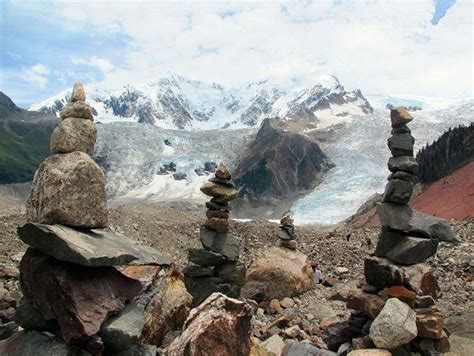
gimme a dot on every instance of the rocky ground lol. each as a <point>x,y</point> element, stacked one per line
<point>174,228</point>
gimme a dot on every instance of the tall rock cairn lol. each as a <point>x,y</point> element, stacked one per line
<point>69,282</point>
<point>287,234</point>
<point>216,266</point>
<point>396,309</point>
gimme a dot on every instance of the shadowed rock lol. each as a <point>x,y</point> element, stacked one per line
<point>224,244</point>
<point>88,247</point>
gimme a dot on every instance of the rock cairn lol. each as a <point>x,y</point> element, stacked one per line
<point>97,291</point>
<point>216,266</point>
<point>287,235</point>
<point>396,310</point>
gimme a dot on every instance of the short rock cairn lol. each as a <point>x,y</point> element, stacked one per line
<point>395,311</point>
<point>71,281</point>
<point>216,266</point>
<point>287,234</point>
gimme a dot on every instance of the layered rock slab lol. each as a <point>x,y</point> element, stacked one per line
<point>68,189</point>
<point>220,324</point>
<point>91,248</point>
<point>79,298</point>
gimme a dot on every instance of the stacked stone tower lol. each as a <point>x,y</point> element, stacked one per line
<point>396,309</point>
<point>216,266</point>
<point>287,234</point>
<point>69,280</point>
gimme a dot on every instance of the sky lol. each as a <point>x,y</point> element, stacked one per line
<point>387,47</point>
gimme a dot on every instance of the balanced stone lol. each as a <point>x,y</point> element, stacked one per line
<point>387,241</point>
<point>77,109</point>
<point>74,134</point>
<point>232,272</point>
<point>413,250</point>
<point>401,145</point>
<point>68,189</point>
<point>219,214</point>
<point>400,116</point>
<point>219,225</point>
<point>87,248</point>
<point>394,326</point>
<point>398,191</point>
<point>217,190</point>
<point>79,298</point>
<point>225,182</point>
<point>403,163</point>
<point>223,172</point>
<point>213,206</point>
<point>78,93</point>
<point>205,258</point>
<point>412,222</point>
<point>402,129</point>
<point>198,271</point>
<point>224,244</point>
<point>403,176</point>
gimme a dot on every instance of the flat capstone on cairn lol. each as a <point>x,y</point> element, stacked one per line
<point>216,266</point>
<point>73,275</point>
<point>287,234</point>
<point>396,308</point>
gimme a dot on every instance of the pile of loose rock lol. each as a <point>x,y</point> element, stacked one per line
<point>216,266</point>
<point>95,290</point>
<point>287,235</point>
<point>396,310</point>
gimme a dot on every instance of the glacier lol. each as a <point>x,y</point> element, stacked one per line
<point>360,154</point>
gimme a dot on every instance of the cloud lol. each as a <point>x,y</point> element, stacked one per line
<point>379,46</point>
<point>101,64</point>
<point>37,75</point>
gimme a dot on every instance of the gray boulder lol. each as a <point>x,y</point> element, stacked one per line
<point>225,244</point>
<point>398,191</point>
<point>404,176</point>
<point>394,326</point>
<point>74,134</point>
<point>305,349</point>
<point>88,248</point>
<point>401,145</point>
<point>387,241</point>
<point>232,272</point>
<point>205,258</point>
<point>34,343</point>
<point>120,331</point>
<point>77,109</point>
<point>197,271</point>
<point>403,163</point>
<point>412,250</point>
<point>412,222</point>
<point>138,350</point>
<point>68,189</point>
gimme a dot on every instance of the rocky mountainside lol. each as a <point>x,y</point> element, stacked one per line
<point>24,140</point>
<point>452,150</point>
<point>177,102</point>
<point>277,166</point>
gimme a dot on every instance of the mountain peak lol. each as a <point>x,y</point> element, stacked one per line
<point>7,106</point>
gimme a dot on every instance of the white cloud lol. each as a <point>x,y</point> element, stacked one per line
<point>37,75</point>
<point>99,63</point>
<point>379,46</point>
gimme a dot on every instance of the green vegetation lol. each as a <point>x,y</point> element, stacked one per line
<point>24,144</point>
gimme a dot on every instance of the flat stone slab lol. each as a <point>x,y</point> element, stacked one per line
<point>92,248</point>
<point>225,244</point>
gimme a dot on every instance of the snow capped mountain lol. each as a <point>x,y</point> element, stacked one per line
<point>176,102</point>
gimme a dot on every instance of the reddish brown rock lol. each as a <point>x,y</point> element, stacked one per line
<point>144,274</point>
<point>369,304</point>
<point>421,280</point>
<point>219,225</point>
<point>429,322</point>
<point>402,293</point>
<point>219,214</point>
<point>168,308</point>
<point>79,298</point>
<point>439,345</point>
<point>219,326</point>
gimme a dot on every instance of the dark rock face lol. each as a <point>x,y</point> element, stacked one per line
<point>338,333</point>
<point>29,343</point>
<point>403,163</point>
<point>305,349</point>
<point>205,258</point>
<point>452,150</point>
<point>30,318</point>
<point>278,165</point>
<point>87,248</point>
<point>398,191</point>
<point>79,298</point>
<point>202,287</point>
<point>412,250</point>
